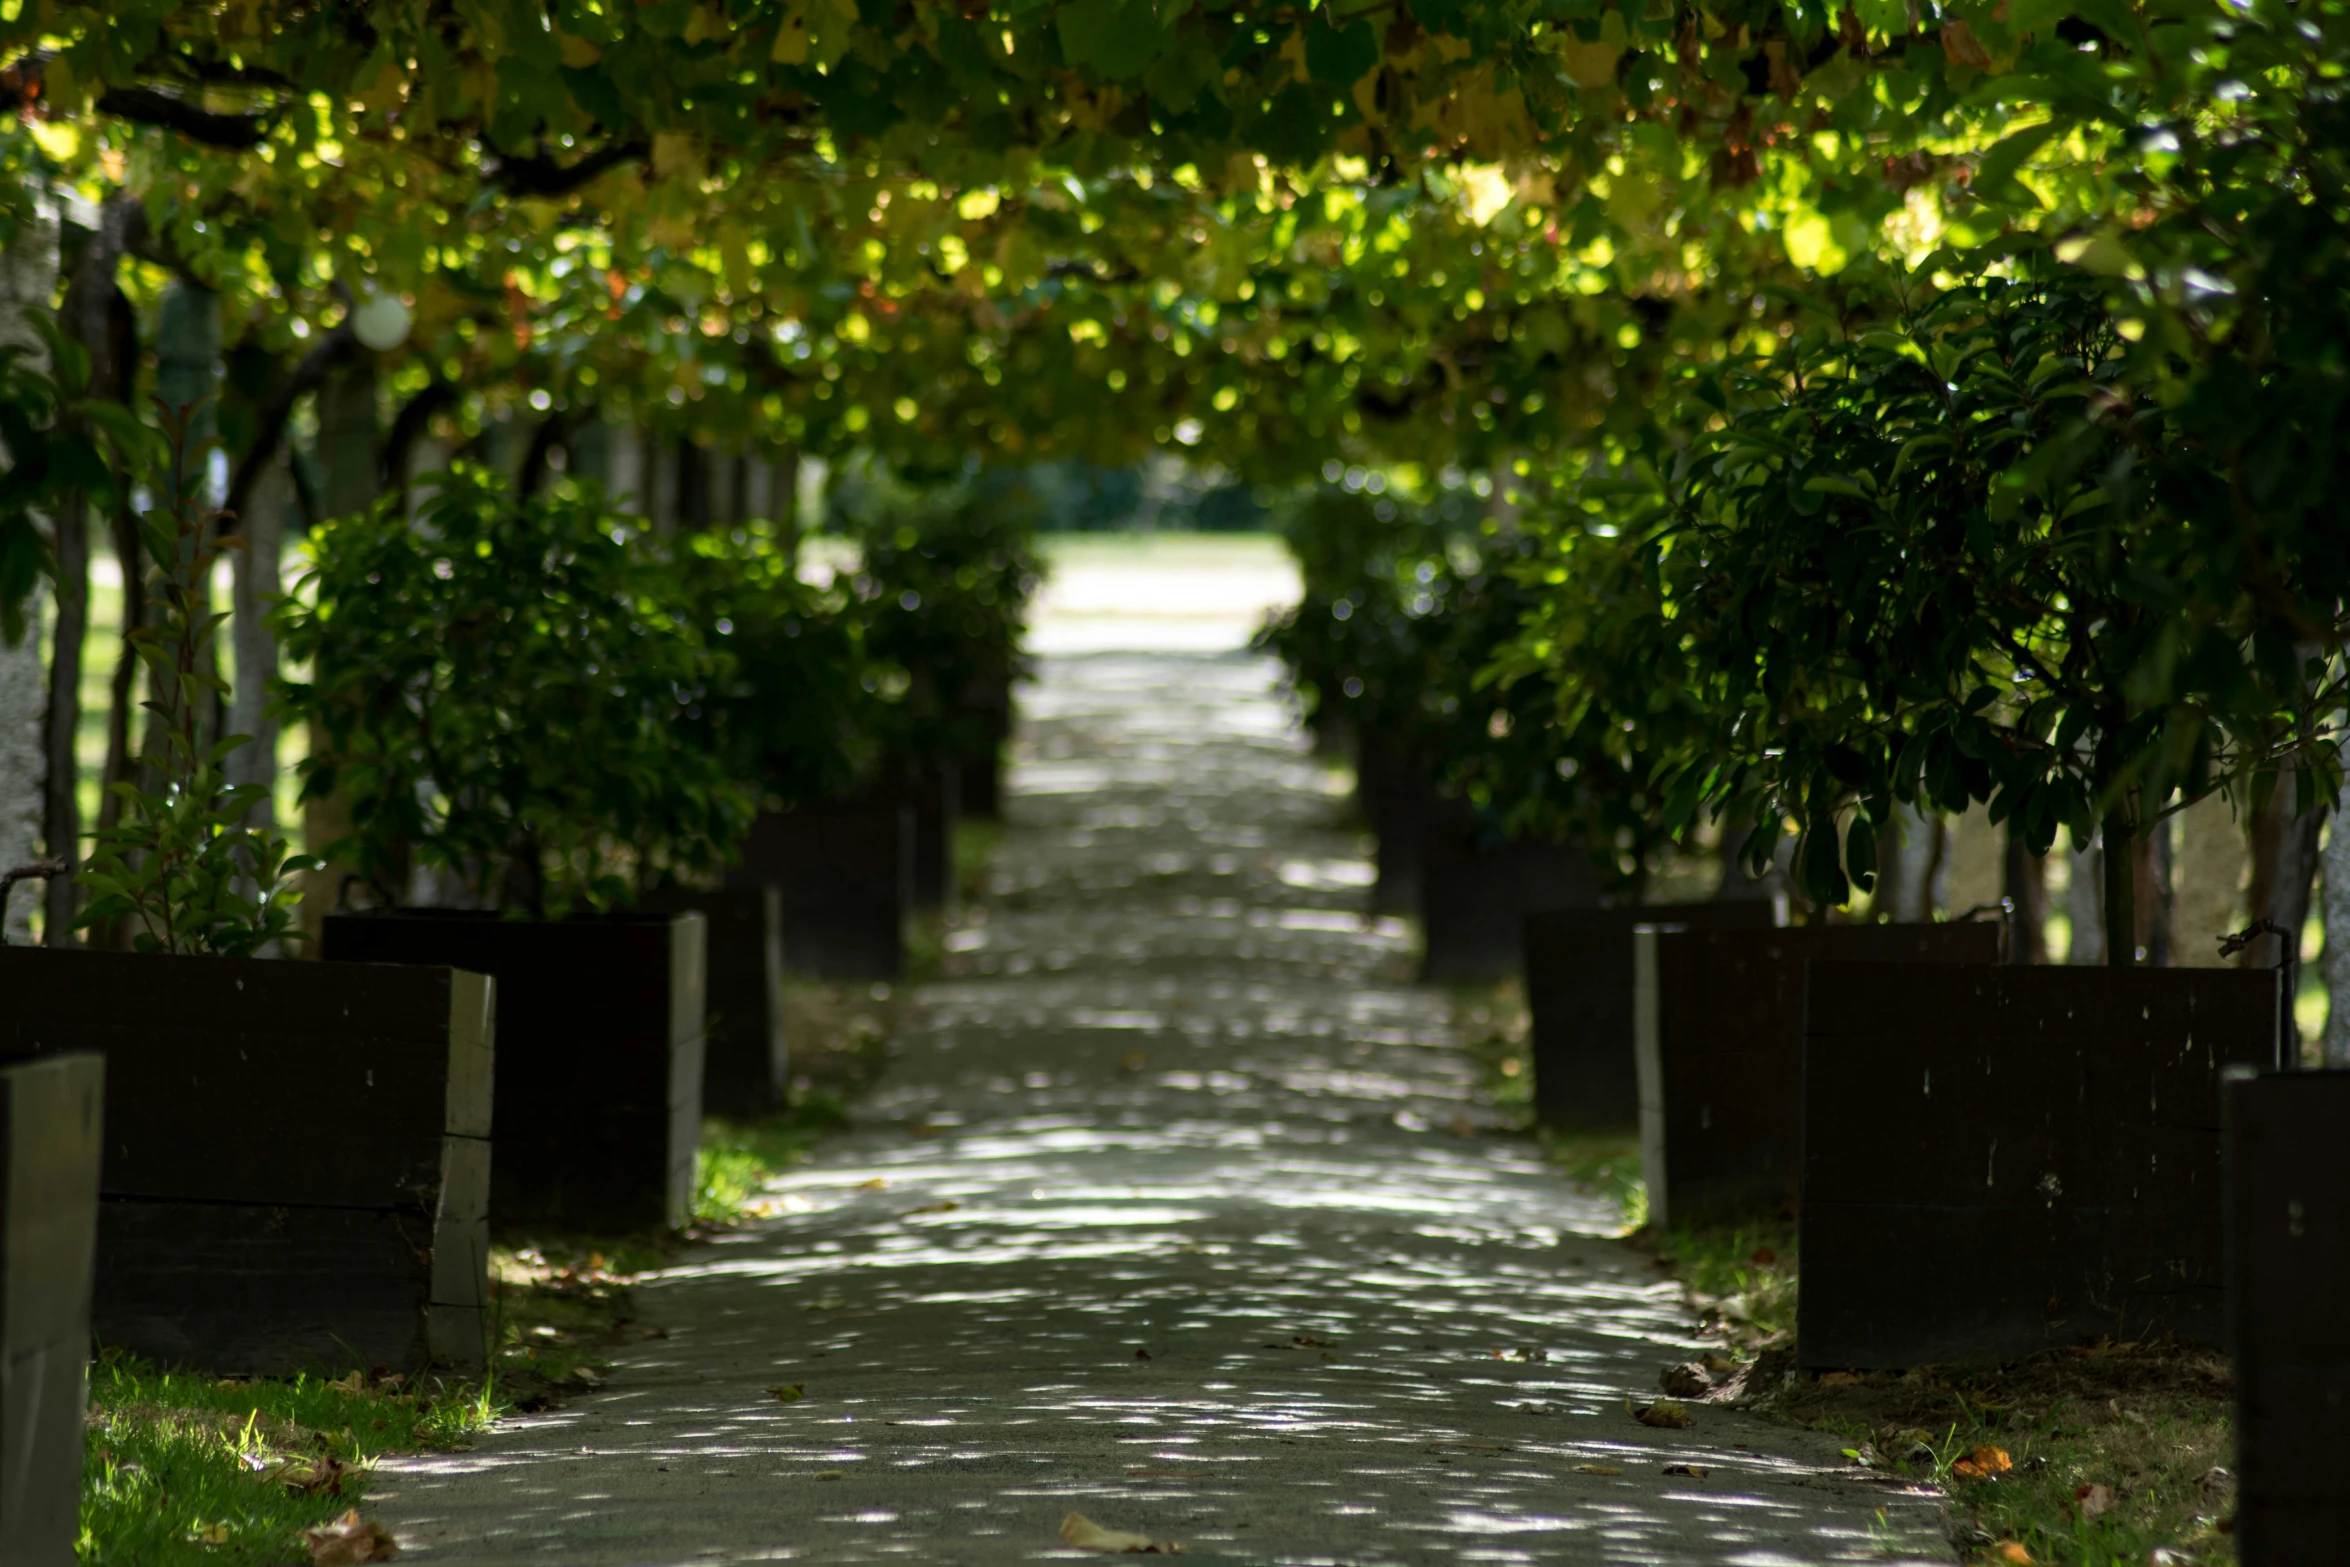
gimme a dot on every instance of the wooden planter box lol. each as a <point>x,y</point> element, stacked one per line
<point>50,1116</point>
<point>2000,1159</point>
<point>847,874</point>
<point>1718,1032</point>
<point>2287,1167</point>
<point>297,1160</point>
<point>1474,897</point>
<point>1579,992</point>
<point>599,1072</point>
<point>746,1062</point>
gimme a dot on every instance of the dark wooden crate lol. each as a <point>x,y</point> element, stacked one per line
<point>253,1106</point>
<point>599,1068</point>
<point>847,874</point>
<point>1475,896</point>
<point>2000,1159</point>
<point>1579,994</point>
<point>746,1061</point>
<point>51,1116</point>
<point>2287,1166</point>
<point>1718,1038</point>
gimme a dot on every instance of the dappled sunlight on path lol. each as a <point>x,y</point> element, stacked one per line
<point>1177,1208</point>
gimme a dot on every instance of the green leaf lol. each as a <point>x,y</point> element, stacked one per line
<point>1117,39</point>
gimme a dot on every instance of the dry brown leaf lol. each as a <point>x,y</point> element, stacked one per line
<point>789,1392</point>
<point>1664,1414</point>
<point>349,1540</point>
<point>1086,1535</point>
<point>1693,1471</point>
<point>877,1184</point>
<point>1598,1469</point>
<point>1841,1379</point>
<point>356,1382</point>
<point>1687,1380</point>
<point>2011,1553</point>
<point>1983,1463</point>
<point>2095,1501</point>
<point>311,1476</point>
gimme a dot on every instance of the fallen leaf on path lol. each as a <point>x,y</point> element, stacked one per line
<point>1086,1535</point>
<point>877,1184</point>
<point>789,1392</point>
<point>1693,1471</point>
<point>2095,1501</point>
<point>2011,1552</point>
<point>1687,1380</point>
<point>1983,1463</point>
<point>356,1382</point>
<point>350,1539</point>
<point>1841,1379</point>
<point>1664,1414</point>
<point>1597,1469</point>
<point>948,1206</point>
<point>311,1477</point>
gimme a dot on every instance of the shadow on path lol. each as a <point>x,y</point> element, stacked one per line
<point>1172,1210</point>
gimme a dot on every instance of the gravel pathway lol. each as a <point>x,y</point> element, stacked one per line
<point>1174,1210</point>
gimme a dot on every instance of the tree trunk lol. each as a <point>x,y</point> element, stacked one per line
<point>1911,886</point>
<point>257,582</point>
<point>2084,905</point>
<point>97,316</point>
<point>2152,879</point>
<point>2027,892</point>
<point>2118,839</point>
<point>28,277</point>
<point>61,806</point>
<point>2337,916</point>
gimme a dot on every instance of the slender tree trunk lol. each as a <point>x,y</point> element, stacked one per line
<point>2026,881</point>
<point>257,578</point>
<point>789,525</point>
<point>2119,841</point>
<point>2152,876</point>
<point>350,476</point>
<point>2084,905</point>
<point>2337,917</point>
<point>28,277</point>
<point>61,824</point>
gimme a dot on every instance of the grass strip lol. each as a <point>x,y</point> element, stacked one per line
<point>181,1467</point>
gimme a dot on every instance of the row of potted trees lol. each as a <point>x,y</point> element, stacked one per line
<point>546,745</point>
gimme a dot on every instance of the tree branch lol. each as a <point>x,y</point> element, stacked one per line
<point>540,175</point>
<point>306,377</point>
<point>152,106</point>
